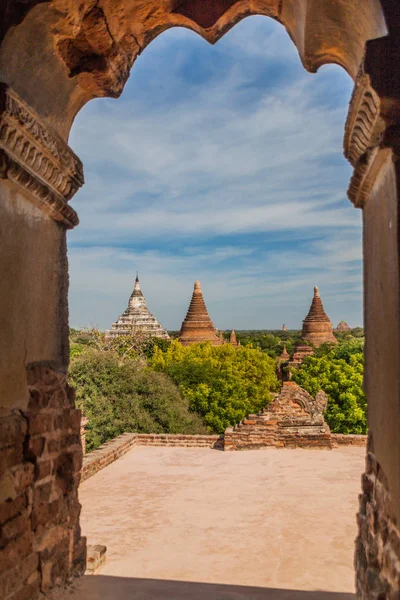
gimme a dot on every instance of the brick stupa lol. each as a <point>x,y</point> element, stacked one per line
<point>342,326</point>
<point>317,328</point>
<point>197,326</point>
<point>232,338</point>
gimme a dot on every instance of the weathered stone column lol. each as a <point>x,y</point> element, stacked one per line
<point>372,145</point>
<point>40,450</point>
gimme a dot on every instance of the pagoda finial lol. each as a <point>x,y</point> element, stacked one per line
<point>197,285</point>
<point>137,277</point>
<point>316,292</point>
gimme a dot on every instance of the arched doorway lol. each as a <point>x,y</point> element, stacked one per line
<point>54,58</point>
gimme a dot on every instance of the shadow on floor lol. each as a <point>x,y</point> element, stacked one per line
<point>101,587</point>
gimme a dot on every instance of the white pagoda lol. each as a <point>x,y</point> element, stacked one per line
<point>137,318</point>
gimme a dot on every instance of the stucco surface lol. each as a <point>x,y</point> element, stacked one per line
<point>33,302</point>
<point>262,524</point>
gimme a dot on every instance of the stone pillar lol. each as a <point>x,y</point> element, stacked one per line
<point>40,450</point>
<point>372,146</point>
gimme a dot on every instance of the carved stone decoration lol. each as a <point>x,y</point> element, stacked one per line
<point>37,159</point>
<point>364,125</point>
<point>365,173</point>
<point>314,407</point>
<point>293,419</point>
<point>363,141</point>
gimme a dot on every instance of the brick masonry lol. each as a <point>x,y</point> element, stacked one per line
<point>293,419</point>
<point>114,449</point>
<point>40,451</point>
<point>345,439</point>
<point>107,454</point>
<point>377,556</point>
<point>184,441</point>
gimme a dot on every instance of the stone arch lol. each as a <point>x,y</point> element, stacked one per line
<point>87,50</point>
<point>55,56</point>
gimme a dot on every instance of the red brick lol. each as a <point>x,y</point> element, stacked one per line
<point>14,528</point>
<point>12,579</point>
<point>12,507</point>
<point>41,423</point>
<point>15,551</point>
<point>12,430</point>
<point>23,476</point>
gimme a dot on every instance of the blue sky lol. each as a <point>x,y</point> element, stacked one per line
<point>224,164</point>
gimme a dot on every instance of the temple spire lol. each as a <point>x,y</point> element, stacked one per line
<point>197,326</point>
<point>317,327</point>
<point>137,318</point>
<point>232,338</point>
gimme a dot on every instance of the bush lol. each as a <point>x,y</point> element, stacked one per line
<point>222,383</point>
<point>339,372</point>
<point>121,395</point>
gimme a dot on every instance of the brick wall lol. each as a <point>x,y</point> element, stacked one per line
<point>114,449</point>
<point>345,439</point>
<point>377,557</point>
<point>107,454</point>
<point>184,441</point>
<point>41,455</point>
<point>293,419</point>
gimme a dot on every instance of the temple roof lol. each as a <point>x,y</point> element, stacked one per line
<point>232,338</point>
<point>197,326</point>
<point>285,354</point>
<point>137,318</point>
<point>317,327</point>
<point>137,292</point>
<point>316,312</point>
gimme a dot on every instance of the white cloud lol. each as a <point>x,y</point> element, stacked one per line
<point>183,189</point>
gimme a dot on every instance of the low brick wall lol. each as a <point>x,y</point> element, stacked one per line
<point>114,449</point>
<point>107,454</point>
<point>184,441</point>
<point>342,439</point>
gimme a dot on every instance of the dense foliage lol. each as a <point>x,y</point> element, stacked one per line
<point>223,383</point>
<point>339,372</point>
<point>122,394</point>
<point>272,341</point>
<point>136,383</point>
<point>127,346</point>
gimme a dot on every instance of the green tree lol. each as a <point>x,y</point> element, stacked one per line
<point>122,394</point>
<point>339,372</point>
<point>222,383</point>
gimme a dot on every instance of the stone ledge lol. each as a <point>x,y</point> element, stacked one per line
<point>95,557</point>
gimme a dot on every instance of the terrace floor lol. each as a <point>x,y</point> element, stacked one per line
<point>196,523</point>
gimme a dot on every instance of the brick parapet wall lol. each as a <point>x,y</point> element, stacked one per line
<point>346,439</point>
<point>114,449</point>
<point>178,440</point>
<point>40,456</point>
<point>377,555</point>
<point>107,454</point>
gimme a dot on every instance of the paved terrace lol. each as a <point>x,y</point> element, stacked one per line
<point>199,523</point>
